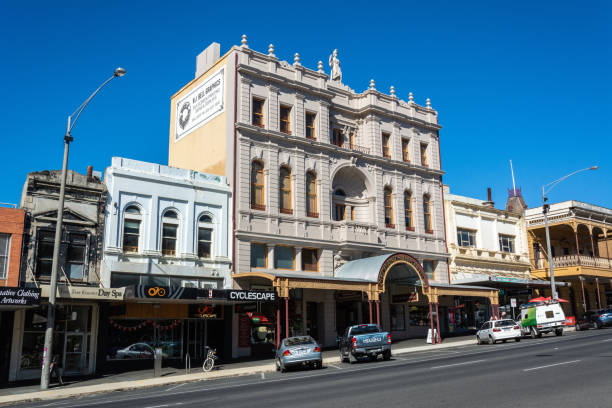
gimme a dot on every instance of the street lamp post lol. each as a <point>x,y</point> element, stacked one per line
<point>545,208</point>
<point>48,347</point>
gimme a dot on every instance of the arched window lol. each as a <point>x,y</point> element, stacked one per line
<point>257,186</point>
<point>311,195</point>
<point>427,213</point>
<point>388,207</point>
<point>285,190</point>
<point>408,210</point>
<point>205,230</point>
<point>131,228</point>
<point>170,225</point>
<point>339,207</point>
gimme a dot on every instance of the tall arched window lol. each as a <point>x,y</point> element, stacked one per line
<point>311,195</point>
<point>285,190</point>
<point>388,207</point>
<point>131,228</point>
<point>205,230</point>
<point>427,213</point>
<point>339,206</point>
<point>257,186</point>
<point>408,211</point>
<point>170,225</point>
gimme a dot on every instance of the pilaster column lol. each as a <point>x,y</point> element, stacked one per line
<point>598,294</point>
<point>272,117</point>
<point>592,241</point>
<point>322,129</point>
<point>298,259</point>
<point>245,100</point>
<point>270,263</point>
<point>299,117</point>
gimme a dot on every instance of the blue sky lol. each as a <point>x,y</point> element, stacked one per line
<point>527,81</point>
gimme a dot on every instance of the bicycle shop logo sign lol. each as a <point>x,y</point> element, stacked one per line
<point>20,296</point>
<point>205,102</point>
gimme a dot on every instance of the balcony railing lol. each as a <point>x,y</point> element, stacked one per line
<point>361,149</point>
<point>580,260</point>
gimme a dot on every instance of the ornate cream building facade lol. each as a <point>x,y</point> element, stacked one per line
<point>322,176</point>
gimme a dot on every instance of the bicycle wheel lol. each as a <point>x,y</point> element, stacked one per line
<point>209,363</point>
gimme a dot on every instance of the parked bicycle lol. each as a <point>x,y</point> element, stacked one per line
<point>209,362</point>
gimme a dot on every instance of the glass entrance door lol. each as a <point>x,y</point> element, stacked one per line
<point>195,335</point>
<point>74,353</point>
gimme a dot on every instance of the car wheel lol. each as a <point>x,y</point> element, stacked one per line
<point>352,359</point>
<point>558,332</point>
<point>517,339</point>
<point>598,325</point>
<point>478,341</point>
<point>534,333</point>
<point>491,341</point>
<point>577,327</point>
<point>319,364</point>
<point>278,368</point>
<point>387,355</point>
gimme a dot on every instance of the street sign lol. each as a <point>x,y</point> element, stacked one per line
<point>512,302</point>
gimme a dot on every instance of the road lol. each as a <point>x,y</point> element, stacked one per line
<point>570,371</point>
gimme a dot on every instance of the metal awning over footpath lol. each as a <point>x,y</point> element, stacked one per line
<point>368,275</point>
<point>508,283</point>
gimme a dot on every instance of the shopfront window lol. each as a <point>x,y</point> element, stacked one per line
<point>131,339</point>
<point>71,338</point>
<point>419,316</point>
<point>398,318</point>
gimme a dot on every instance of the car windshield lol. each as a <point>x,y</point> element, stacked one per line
<point>505,323</point>
<point>298,341</point>
<point>364,330</point>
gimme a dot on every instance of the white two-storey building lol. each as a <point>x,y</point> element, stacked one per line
<point>167,242</point>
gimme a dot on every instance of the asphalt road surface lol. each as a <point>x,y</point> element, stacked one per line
<point>570,371</point>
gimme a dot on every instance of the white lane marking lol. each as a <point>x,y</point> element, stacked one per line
<point>607,340</point>
<point>551,365</point>
<point>57,403</point>
<point>165,405</point>
<point>134,396</point>
<point>176,386</point>
<point>336,367</point>
<point>399,358</point>
<point>457,364</point>
<point>263,376</point>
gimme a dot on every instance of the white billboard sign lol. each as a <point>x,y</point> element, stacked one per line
<point>199,106</point>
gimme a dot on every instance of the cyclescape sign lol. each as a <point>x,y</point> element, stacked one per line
<point>202,104</point>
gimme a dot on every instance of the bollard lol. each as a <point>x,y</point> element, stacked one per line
<point>157,365</point>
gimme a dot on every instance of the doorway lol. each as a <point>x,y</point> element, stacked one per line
<point>312,320</point>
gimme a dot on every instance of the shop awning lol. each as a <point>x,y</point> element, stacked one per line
<point>437,289</point>
<point>503,283</point>
<point>283,281</point>
<point>174,294</point>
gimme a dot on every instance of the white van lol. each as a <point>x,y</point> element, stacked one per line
<point>542,317</point>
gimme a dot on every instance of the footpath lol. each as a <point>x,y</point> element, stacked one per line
<point>145,379</point>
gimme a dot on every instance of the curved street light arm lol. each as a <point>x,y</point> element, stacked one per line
<point>553,184</point>
<point>80,109</point>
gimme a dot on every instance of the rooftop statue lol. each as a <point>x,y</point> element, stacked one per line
<point>334,63</point>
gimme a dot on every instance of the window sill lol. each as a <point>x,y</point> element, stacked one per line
<point>259,126</point>
<point>287,132</point>
<point>312,214</point>
<point>391,226</point>
<point>258,207</point>
<point>410,229</point>
<point>386,157</point>
<point>285,211</point>
<point>429,231</point>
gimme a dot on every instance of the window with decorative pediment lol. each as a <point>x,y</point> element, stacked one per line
<point>388,201</point>
<point>311,195</point>
<point>257,185</point>
<point>285,190</point>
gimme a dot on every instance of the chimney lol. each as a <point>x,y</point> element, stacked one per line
<point>489,202</point>
<point>89,172</point>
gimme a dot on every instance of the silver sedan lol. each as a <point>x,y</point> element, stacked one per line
<point>298,351</point>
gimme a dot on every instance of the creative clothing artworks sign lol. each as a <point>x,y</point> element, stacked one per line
<point>199,106</point>
<point>19,296</point>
